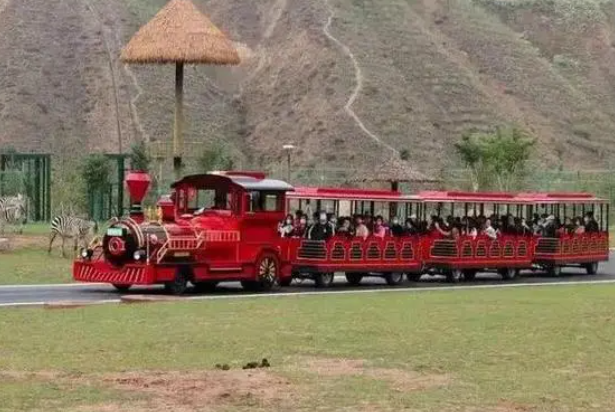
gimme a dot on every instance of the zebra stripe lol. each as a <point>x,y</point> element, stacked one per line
<point>13,212</point>
<point>70,226</point>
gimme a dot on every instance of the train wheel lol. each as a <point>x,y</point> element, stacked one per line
<point>394,278</point>
<point>323,280</point>
<point>414,277</point>
<point>121,288</point>
<point>208,286</point>
<point>267,269</point>
<point>591,268</point>
<point>354,279</point>
<point>179,284</point>
<point>509,273</point>
<point>555,271</point>
<point>469,274</point>
<point>454,275</point>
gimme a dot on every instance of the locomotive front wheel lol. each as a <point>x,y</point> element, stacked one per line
<point>121,288</point>
<point>323,280</point>
<point>394,278</point>
<point>454,275</point>
<point>354,279</point>
<point>591,268</point>
<point>509,273</point>
<point>267,275</point>
<point>179,284</point>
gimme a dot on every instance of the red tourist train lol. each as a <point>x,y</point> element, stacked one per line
<point>223,226</point>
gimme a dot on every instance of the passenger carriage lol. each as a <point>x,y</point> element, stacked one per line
<point>389,257</point>
<point>584,250</point>
<point>465,256</point>
<point>214,227</point>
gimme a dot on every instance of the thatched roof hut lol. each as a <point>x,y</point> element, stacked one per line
<point>392,171</point>
<point>180,34</point>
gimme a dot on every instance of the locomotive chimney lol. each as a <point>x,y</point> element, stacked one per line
<point>137,183</point>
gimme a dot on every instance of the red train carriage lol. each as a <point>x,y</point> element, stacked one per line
<point>584,250</point>
<point>214,227</point>
<point>389,257</point>
<point>464,255</point>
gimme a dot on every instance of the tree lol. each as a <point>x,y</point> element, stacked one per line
<point>499,156</point>
<point>215,157</point>
<point>139,158</point>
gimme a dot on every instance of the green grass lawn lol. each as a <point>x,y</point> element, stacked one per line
<point>522,349</point>
<point>28,262</point>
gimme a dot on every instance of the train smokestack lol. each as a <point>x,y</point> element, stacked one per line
<point>138,183</point>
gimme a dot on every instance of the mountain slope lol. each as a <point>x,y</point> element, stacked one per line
<point>348,81</point>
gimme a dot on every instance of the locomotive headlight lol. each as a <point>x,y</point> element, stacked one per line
<point>138,255</point>
<point>86,253</point>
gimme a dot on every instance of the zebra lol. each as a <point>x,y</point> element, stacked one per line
<point>71,227</point>
<point>13,211</point>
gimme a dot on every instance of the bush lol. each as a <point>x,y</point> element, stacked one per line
<point>216,157</point>
<point>139,158</point>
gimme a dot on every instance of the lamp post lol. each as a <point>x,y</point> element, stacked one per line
<point>288,148</point>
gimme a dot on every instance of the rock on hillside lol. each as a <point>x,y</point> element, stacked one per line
<point>429,69</point>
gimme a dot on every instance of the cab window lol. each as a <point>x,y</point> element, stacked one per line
<point>266,201</point>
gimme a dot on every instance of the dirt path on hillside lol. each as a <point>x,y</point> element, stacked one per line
<point>358,77</point>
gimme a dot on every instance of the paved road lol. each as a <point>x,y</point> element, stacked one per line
<point>26,295</point>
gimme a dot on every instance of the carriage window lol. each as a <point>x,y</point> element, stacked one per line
<point>208,199</point>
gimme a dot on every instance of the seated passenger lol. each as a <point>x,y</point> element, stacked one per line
<point>286,227</point>
<point>300,229</point>
<point>332,222</point>
<point>441,227</point>
<point>368,221</point>
<point>298,216</point>
<point>489,231</point>
<point>345,229</point>
<point>413,226</point>
<point>360,229</point>
<point>321,230</point>
<point>568,227</point>
<point>397,229</point>
<point>591,226</point>
<point>579,227</point>
<point>472,231</point>
<point>549,229</point>
<point>380,230</point>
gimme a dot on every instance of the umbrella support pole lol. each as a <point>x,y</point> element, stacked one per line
<point>178,132</point>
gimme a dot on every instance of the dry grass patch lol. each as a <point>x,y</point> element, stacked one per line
<point>398,379</point>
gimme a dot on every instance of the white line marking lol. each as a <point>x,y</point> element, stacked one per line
<point>54,285</point>
<point>89,302</point>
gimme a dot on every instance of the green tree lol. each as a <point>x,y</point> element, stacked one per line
<point>215,157</point>
<point>139,158</point>
<point>497,157</point>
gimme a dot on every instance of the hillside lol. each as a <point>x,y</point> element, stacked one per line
<point>426,71</point>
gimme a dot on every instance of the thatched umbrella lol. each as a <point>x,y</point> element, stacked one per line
<point>180,34</point>
<point>392,171</point>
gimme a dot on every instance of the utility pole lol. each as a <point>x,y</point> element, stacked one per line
<point>288,148</point>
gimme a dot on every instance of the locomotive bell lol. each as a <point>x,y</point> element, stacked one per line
<point>137,183</point>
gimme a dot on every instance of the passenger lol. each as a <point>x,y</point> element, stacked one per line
<point>523,228</point>
<point>301,227</point>
<point>471,230</point>
<point>549,229</point>
<point>361,229</point>
<point>591,226</point>
<point>568,227</point>
<point>397,230</point>
<point>441,227</point>
<point>286,227</point>
<point>489,231</point>
<point>380,230</point>
<point>321,230</point>
<point>579,227</point>
<point>369,222</point>
<point>345,229</point>
<point>298,216</point>
<point>332,222</point>
<point>411,228</point>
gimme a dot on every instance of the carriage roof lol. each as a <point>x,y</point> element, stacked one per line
<point>328,193</point>
<point>246,180</point>
<point>508,198</point>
